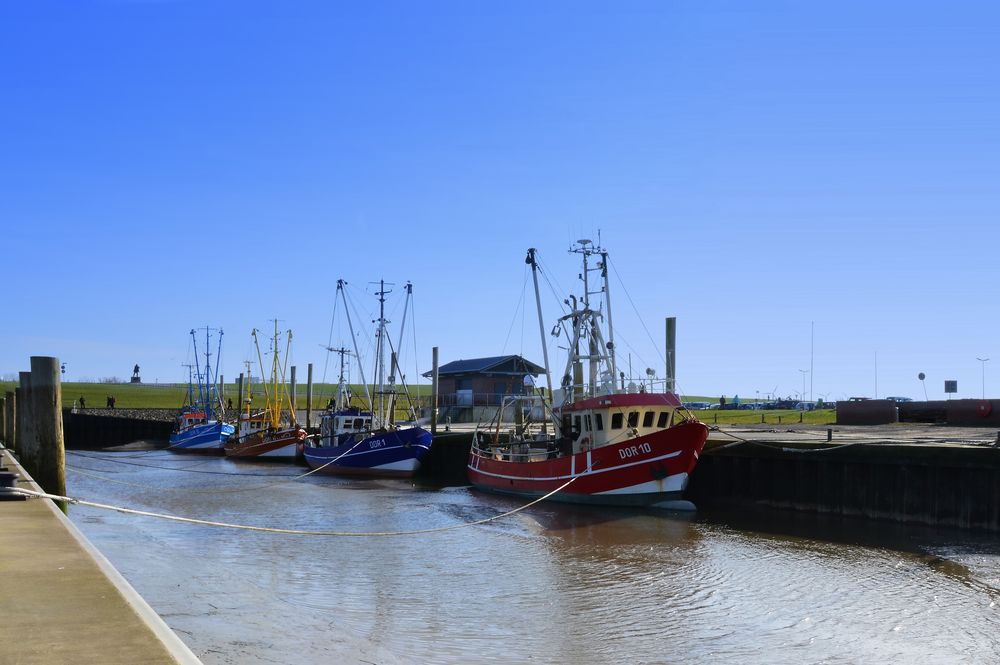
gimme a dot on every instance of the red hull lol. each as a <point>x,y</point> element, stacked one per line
<point>641,471</point>
<point>258,445</point>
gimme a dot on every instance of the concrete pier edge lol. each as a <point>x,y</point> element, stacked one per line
<point>147,615</point>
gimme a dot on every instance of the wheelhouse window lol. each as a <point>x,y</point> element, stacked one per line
<point>633,418</point>
<point>616,421</point>
<point>587,423</point>
<point>664,418</point>
<point>576,423</point>
<point>600,421</point>
<point>647,418</point>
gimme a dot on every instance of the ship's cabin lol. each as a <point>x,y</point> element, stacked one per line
<point>345,422</point>
<point>192,419</point>
<point>599,422</point>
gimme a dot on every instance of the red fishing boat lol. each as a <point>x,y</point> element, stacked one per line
<point>603,444</point>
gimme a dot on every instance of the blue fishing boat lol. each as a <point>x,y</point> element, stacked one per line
<point>199,427</point>
<point>368,442</point>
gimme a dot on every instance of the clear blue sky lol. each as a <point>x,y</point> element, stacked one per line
<point>757,169</point>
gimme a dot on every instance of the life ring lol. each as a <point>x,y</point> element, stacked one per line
<point>984,407</point>
<point>585,443</point>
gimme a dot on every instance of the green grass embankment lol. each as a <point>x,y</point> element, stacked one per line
<point>173,396</point>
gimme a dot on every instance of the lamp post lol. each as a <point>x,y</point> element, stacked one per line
<point>804,372</point>
<point>983,361</point>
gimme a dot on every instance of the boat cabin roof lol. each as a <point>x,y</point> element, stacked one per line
<point>622,400</point>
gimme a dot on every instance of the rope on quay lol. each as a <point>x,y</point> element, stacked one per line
<point>292,532</point>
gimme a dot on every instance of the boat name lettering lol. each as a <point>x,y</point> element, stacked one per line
<point>634,451</point>
<point>376,443</point>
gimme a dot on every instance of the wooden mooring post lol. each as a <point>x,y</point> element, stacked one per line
<point>25,442</point>
<point>47,462</point>
<point>9,408</point>
<point>239,405</point>
<point>434,390</point>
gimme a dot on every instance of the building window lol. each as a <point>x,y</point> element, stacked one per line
<point>616,421</point>
<point>647,418</point>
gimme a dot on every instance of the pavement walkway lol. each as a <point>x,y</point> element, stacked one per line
<point>61,601</point>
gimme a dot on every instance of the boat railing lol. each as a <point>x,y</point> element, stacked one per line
<point>509,447</point>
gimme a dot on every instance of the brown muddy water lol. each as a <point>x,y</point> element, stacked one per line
<point>551,584</point>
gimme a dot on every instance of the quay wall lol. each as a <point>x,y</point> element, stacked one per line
<point>955,486</point>
<point>103,428</point>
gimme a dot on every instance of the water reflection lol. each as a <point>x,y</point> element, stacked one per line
<point>551,584</point>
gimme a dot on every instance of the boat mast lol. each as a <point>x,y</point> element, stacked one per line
<point>274,407</point>
<point>260,361</point>
<point>541,330</point>
<point>208,377</point>
<point>354,340</point>
<point>611,330</point>
<point>586,322</point>
<point>215,376</point>
<point>342,399</point>
<point>293,417</point>
<point>190,385</point>
<point>197,367</point>
<point>380,353</point>
<point>249,396</point>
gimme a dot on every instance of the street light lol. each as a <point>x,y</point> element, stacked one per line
<point>983,361</point>
<point>804,372</point>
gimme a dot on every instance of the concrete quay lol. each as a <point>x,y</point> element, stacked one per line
<point>906,473</point>
<point>61,601</point>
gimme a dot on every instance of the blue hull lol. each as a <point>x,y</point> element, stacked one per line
<point>202,438</point>
<point>390,454</point>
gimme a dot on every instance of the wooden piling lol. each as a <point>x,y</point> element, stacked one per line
<point>309,395</point>
<point>239,405</point>
<point>46,411</point>
<point>434,390</point>
<point>12,399</point>
<point>26,432</point>
<point>9,410</point>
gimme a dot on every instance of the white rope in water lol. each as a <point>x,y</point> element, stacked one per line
<point>293,532</point>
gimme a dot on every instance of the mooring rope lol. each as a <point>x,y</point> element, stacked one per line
<point>292,532</point>
<point>234,490</point>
